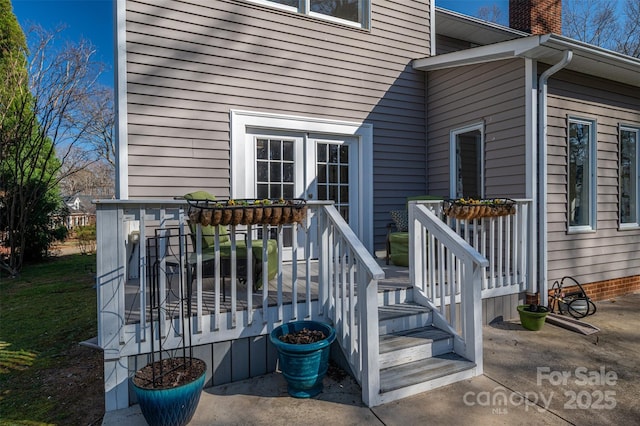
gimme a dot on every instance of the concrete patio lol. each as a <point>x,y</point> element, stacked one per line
<point>550,377</point>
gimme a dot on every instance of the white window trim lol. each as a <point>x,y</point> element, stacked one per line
<point>630,225</point>
<point>593,176</point>
<point>241,121</point>
<point>452,156</point>
<point>303,9</point>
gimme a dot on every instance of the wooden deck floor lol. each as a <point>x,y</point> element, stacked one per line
<point>395,277</point>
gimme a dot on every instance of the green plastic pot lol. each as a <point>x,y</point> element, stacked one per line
<point>531,320</point>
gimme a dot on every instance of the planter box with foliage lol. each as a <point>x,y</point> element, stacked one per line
<point>247,212</point>
<point>474,209</point>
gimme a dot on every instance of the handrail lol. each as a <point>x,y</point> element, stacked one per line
<point>359,250</point>
<point>505,241</point>
<point>356,274</point>
<point>451,263</point>
<point>444,233</point>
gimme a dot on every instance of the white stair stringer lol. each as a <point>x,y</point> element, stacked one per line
<point>410,390</point>
<point>415,355</point>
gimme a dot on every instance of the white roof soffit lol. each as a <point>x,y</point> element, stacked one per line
<point>548,48</point>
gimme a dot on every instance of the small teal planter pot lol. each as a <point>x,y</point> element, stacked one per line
<point>170,407</point>
<point>303,366</point>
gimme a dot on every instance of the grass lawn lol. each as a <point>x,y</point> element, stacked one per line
<point>45,376</point>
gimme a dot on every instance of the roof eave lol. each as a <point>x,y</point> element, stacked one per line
<point>546,48</point>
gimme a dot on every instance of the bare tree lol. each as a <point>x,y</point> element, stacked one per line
<point>628,40</point>
<point>100,134</point>
<point>597,22</point>
<point>591,21</point>
<point>490,13</point>
<point>96,180</point>
<point>42,123</point>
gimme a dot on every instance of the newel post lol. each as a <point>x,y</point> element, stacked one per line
<point>472,302</point>
<point>110,283</point>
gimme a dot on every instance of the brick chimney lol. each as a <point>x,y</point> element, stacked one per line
<point>536,16</point>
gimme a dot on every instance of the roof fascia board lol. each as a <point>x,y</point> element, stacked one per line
<point>590,51</point>
<point>623,68</point>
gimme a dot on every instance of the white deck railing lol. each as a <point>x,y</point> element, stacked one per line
<point>352,277</point>
<point>503,240</point>
<point>447,273</point>
<point>139,241</point>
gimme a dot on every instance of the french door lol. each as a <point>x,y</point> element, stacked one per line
<point>282,164</point>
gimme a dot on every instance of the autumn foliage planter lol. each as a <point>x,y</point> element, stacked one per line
<point>470,208</point>
<point>247,212</point>
<point>303,355</point>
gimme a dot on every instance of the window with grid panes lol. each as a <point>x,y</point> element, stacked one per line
<point>333,175</point>
<point>275,174</point>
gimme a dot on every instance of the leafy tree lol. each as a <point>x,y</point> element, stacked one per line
<point>42,122</point>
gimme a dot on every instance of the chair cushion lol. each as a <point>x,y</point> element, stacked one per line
<point>399,248</point>
<point>208,232</point>
<point>256,246</point>
<point>401,219</point>
<point>200,195</point>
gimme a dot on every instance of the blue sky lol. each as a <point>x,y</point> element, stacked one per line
<point>470,7</point>
<point>93,20</point>
<point>89,19</point>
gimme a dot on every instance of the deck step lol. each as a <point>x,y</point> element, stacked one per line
<point>413,345</point>
<point>402,316</point>
<point>413,373</point>
<point>393,294</point>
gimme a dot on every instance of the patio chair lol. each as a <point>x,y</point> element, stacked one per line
<point>208,247</point>
<point>397,243</point>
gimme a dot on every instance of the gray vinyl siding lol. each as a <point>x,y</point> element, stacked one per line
<point>608,252</point>
<point>446,44</point>
<point>494,94</point>
<point>190,62</point>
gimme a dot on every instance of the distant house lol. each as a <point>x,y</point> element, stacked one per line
<point>81,211</point>
<point>365,104</point>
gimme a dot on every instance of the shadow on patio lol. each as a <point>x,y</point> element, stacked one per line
<point>553,376</point>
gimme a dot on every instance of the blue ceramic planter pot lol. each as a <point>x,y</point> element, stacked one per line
<point>170,407</point>
<point>303,365</point>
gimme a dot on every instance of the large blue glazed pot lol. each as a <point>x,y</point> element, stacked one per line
<point>303,365</point>
<point>170,407</point>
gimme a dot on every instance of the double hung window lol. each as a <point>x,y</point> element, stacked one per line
<point>629,177</point>
<point>582,175</point>
<point>467,162</point>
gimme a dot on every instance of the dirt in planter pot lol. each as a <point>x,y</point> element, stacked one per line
<point>303,337</point>
<point>176,372</point>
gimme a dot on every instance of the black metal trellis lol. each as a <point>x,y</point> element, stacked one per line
<point>158,248</point>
